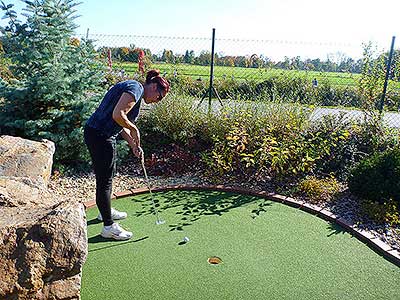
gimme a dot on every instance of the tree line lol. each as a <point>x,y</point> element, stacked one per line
<point>337,62</point>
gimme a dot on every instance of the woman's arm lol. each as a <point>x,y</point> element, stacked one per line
<point>121,110</point>
<point>133,141</point>
<point>130,132</point>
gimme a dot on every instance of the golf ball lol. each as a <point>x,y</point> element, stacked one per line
<point>186,239</point>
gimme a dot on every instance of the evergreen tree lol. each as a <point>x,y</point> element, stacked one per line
<point>57,78</point>
<point>5,73</point>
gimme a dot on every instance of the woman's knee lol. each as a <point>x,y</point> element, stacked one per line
<point>104,182</point>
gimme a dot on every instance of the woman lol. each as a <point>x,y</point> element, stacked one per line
<point>116,115</point>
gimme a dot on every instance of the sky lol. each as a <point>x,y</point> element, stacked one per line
<point>342,24</point>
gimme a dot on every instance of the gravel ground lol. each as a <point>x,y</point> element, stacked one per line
<point>82,188</point>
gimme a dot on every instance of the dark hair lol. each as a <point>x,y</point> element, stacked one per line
<point>153,76</point>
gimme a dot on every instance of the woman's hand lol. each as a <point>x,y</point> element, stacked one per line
<point>138,152</point>
<point>133,138</point>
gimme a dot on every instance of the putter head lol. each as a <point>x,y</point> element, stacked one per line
<point>160,222</point>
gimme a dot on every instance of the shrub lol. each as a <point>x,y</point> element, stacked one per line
<point>188,86</point>
<point>382,213</point>
<point>318,190</point>
<point>178,120</point>
<point>260,139</point>
<point>377,178</point>
<point>339,138</point>
<point>175,118</point>
<point>152,137</point>
<point>372,77</point>
<point>232,152</point>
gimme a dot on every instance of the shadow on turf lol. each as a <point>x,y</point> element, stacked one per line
<point>193,205</point>
<point>93,222</point>
<point>335,229</point>
<point>99,239</point>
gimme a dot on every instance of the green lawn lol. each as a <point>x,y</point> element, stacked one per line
<point>243,73</point>
<point>269,251</point>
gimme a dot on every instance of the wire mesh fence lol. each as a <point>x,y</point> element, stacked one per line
<point>337,75</point>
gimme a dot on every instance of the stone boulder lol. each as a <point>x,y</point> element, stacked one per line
<point>21,192</point>
<point>43,240</point>
<point>28,159</point>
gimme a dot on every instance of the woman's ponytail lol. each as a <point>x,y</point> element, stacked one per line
<point>153,76</point>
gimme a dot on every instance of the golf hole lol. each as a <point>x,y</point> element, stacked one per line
<point>214,260</point>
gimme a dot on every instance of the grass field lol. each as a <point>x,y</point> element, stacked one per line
<point>203,72</point>
<point>332,79</point>
<point>268,251</point>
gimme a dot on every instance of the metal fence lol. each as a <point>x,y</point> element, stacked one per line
<point>321,74</point>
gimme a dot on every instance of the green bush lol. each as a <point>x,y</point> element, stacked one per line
<point>270,139</point>
<point>231,152</point>
<point>382,213</point>
<point>178,120</point>
<point>341,141</point>
<point>377,178</point>
<point>318,189</point>
<point>260,140</point>
<point>153,138</point>
<point>188,86</point>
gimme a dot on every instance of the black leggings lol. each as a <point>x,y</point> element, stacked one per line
<point>103,153</point>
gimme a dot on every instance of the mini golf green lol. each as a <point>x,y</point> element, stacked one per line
<point>268,251</point>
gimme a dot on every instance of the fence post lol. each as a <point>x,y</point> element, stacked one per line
<point>211,70</point>
<point>389,63</point>
<point>211,88</point>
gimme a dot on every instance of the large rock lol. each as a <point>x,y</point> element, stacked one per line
<point>20,191</point>
<point>24,158</point>
<point>43,241</point>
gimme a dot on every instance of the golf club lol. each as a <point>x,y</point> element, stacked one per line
<point>159,221</point>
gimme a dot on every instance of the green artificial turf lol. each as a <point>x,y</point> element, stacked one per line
<point>269,251</point>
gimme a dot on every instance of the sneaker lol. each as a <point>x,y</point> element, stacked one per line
<point>115,215</point>
<point>116,232</point>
